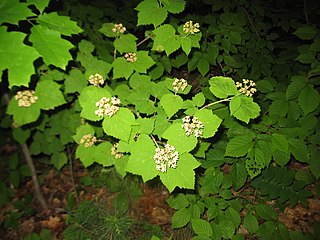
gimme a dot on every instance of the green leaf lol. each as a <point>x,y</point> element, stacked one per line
<point>199,99</point>
<point>306,32</point>
<point>281,158</point>
<point>178,201</point>
<point>40,4</point>
<point>181,217</point>
<point>49,95</point>
<point>16,57</point>
<point>239,146</point>
<point>119,125</point>
<point>75,81</point>
<point>125,43</point>
<point>171,104</point>
<point>227,229</point>
<point>266,212</point>
<point>12,11</point>
<point>166,38</point>
<point>62,24</point>
<point>143,62</point>
<point>203,66</point>
<point>201,227</point>
<point>106,29</point>
<point>53,49</point>
<point>81,131</point>
<point>309,99</point>
<point>222,87</point>
<point>280,142</point>
<point>88,98</point>
<point>177,137</point>
<point>243,108</point>
<point>210,121</point>
<point>122,68</point>
<point>183,176</point>
<point>238,175</point>
<point>152,8</point>
<point>234,216</point>
<point>141,159</point>
<point>23,115</point>
<point>59,159</point>
<point>297,84</point>
<point>21,135</point>
<point>174,6</point>
<point>299,150</point>
<point>186,44</point>
<point>251,223</point>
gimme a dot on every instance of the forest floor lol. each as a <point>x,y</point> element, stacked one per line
<point>151,207</point>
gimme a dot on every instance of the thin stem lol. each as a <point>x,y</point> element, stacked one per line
<point>305,11</point>
<point>72,175</point>
<point>144,40</point>
<point>114,54</point>
<point>222,69</point>
<point>154,140</point>
<point>251,23</point>
<point>28,158</point>
<point>220,101</point>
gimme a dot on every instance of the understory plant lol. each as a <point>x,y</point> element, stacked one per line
<point>217,100</point>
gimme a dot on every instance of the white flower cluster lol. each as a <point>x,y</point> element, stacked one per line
<point>246,87</point>
<point>96,80</point>
<point>166,157</point>
<point>192,126</point>
<point>25,98</point>
<point>131,57</point>
<point>179,84</point>
<point>114,151</point>
<point>88,140</point>
<point>118,28</point>
<point>190,28</point>
<point>107,106</point>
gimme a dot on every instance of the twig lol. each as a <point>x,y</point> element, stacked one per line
<point>222,69</point>
<point>251,23</point>
<point>305,11</point>
<point>28,158</point>
<point>142,41</point>
<point>220,101</point>
<point>72,176</point>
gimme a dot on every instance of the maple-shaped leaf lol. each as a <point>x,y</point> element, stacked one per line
<point>23,115</point>
<point>53,49</point>
<point>62,24</point>
<point>125,43</point>
<point>49,95</point>
<point>210,121</point>
<point>144,62</point>
<point>183,176</point>
<point>166,39</point>
<point>244,108</point>
<point>17,57</point>
<point>122,68</point>
<point>88,98</point>
<point>12,11</point>
<point>177,137</point>
<point>151,12</point>
<point>119,125</point>
<point>40,4</point>
<point>171,104</point>
<point>141,159</point>
<point>174,6</point>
